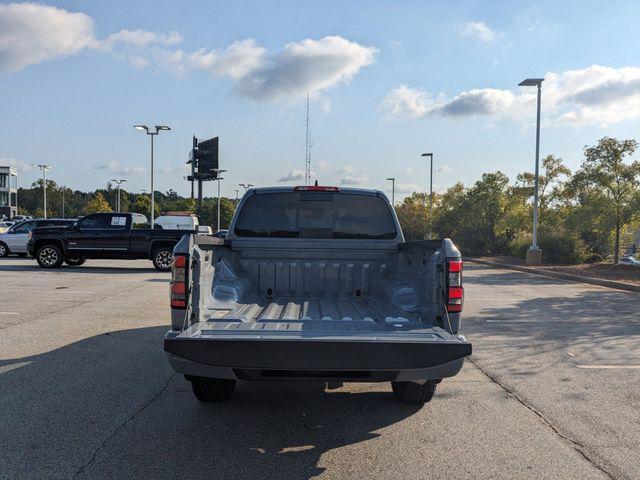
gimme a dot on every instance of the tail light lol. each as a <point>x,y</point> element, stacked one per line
<point>179,282</point>
<point>455,292</point>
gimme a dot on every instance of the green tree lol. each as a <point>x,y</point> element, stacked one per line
<point>142,204</point>
<point>413,215</point>
<point>97,204</point>
<point>611,182</point>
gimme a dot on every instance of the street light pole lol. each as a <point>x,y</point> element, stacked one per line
<point>430,155</point>
<point>534,254</point>
<point>118,182</point>
<point>218,172</point>
<point>393,191</point>
<point>63,188</point>
<point>237,199</point>
<point>146,129</point>
<point>44,168</point>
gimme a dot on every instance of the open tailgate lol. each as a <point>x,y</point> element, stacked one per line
<point>306,346</point>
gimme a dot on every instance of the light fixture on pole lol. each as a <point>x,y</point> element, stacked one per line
<point>44,168</point>
<point>146,129</point>
<point>393,191</point>
<point>118,182</point>
<point>534,254</point>
<point>246,186</point>
<point>218,177</point>
<point>430,155</point>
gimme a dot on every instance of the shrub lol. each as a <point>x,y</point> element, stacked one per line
<point>560,247</point>
<point>519,246</point>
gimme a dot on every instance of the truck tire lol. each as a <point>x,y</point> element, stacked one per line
<point>75,262</point>
<point>413,393</point>
<point>4,250</point>
<point>212,389</point>
<point>162,258</point>
<point>49,256</point>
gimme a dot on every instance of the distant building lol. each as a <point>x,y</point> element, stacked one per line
<point>8,192</point>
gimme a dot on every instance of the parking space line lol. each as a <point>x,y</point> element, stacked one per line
<point>8,313</point>
<point>609,367</point>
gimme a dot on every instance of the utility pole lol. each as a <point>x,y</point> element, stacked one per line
<point>237,198</point>
<point>44,168</point>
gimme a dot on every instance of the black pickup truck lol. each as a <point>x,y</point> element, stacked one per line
<point>104,235</point>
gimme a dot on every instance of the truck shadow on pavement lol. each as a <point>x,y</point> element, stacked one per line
<point>109,407</point>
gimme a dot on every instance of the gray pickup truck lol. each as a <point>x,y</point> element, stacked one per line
<point>316,283</point>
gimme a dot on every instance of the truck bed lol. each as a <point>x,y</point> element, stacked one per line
<point>323,312</point>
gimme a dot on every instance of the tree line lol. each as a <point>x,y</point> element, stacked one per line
<point>589,215</point>
<point>77,203</point>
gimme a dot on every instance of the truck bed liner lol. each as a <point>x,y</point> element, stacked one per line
<point>360,310</point>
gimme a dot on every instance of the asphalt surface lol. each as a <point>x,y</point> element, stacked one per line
<point>552,390</point>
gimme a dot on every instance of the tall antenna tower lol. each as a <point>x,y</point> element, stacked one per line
<point>307,158</point>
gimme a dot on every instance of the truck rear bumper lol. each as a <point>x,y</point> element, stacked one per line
<point>381,356</point>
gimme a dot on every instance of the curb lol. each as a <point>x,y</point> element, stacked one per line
<point>629,287</point>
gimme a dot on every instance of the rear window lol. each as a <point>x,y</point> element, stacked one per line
<point>315,215</point>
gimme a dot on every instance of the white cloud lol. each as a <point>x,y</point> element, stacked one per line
<point>141,38</point>
<point>404,101</point>
<point>444,169</point>
<point>407,188</point>
<point>293,175</point>
<point>138,61</point>
<point>306,66</point>
<point>350,176</point>
<point>20,165</point>
<point>117,167</point>
<point>480,31</point>
<point>31,33</point>
<point>593,95</point>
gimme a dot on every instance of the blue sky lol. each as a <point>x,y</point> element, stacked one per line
<point>388,81</point>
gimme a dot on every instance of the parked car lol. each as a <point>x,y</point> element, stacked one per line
<point>221,233</point>
<point>21,218</point>
<point>104,235</point>
<point>15,239</point>
<point>629,261</point>
<point>177,222</point>
<point>316,283</point>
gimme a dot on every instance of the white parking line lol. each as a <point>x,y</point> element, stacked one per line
<point>8,313</point>
<point>610,367</point>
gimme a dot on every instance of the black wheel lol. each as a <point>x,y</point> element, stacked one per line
<point>212,389</point>
<point>413,393</point>
<point>49,256</point>
<point>75,262</point>
<point>4,250</point>
<point>162,259</point>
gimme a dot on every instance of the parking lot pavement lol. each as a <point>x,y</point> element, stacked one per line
<point>85,391</point>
